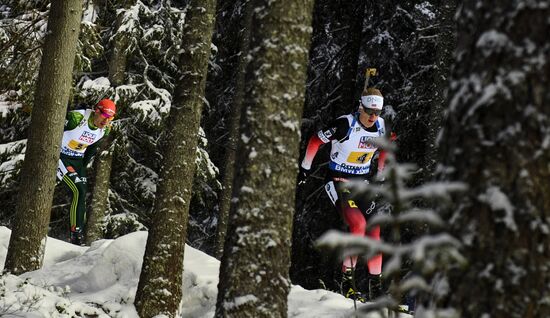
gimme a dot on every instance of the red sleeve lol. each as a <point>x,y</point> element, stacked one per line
<point>337,130</point>
<point>312,147</point>
<point>383,154</point>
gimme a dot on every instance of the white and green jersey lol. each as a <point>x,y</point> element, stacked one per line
<point>80,133</point>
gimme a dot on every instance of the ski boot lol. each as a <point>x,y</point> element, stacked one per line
<point>375,286</point>
<point>405,309</point>
<point>348,288</point>
<point>408,304</point>
<point>76,236</point>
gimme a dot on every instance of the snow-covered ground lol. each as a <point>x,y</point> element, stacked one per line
<point>101,281</point>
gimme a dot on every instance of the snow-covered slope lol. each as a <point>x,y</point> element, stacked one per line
<point>101,281</point>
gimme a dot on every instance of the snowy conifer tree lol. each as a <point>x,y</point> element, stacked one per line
<point>428,254</point>
<point>151,36</point>
<point>496,140</point>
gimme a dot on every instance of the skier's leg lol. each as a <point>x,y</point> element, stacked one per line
<point>357,226</point>
<point>350,212</point>
<point>82,187</point>
<point>78,187</point>
<point>375,268</point>
<point>375,263</point>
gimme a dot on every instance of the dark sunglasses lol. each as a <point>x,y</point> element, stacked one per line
<point>372,111</point>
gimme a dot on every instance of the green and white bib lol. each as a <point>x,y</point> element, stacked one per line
<point>75,141</point>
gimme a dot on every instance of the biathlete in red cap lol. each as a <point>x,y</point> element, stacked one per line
<point>82,133</point>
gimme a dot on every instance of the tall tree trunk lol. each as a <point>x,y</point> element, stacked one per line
<point>30,227</point>
<point>496,140</point>
<point>104,161</point>
<point>353,17</point>
<point>159,290</point>
<point>254,280</point>
<point>334,56</point>
<point>119,46</point>
<point>100,193</point>
<point>445,47</point>
<point>235,117</point>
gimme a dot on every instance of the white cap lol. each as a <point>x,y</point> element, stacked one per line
<point>372,101</point>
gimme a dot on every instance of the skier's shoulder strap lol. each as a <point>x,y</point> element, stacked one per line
<point>381,126</point>
<point>352,119</point>
<point>384,127</point>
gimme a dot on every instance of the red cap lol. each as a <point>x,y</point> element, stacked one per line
<point>106,108</point>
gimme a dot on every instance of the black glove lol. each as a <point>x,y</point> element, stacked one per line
<point>303,174</point>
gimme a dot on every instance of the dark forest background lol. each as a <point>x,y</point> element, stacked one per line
<point>465,88</point>
<point>407,41</point>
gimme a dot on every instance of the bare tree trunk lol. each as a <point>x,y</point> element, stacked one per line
<point>118,58</point>
<point>229,171</point>
<point>30,227</point>
<point>445,47</point>
<point>254,278</point>
<point>100,193</point>
<point>159,290</point>
<point>496,140</point>
<point>104,161</point>
<point>354,13</point>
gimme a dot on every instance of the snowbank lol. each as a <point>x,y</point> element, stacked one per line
<point>101,281</point>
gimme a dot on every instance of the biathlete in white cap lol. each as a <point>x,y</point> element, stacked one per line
<point>351,157</point>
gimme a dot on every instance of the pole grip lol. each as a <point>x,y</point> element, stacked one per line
<point>368,73</point>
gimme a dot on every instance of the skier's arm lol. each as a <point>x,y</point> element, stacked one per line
<point>312,147</point>
<point>90,152</point>
<point>336,130</point>
<point>383,153</point>
<point>72,120</point>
